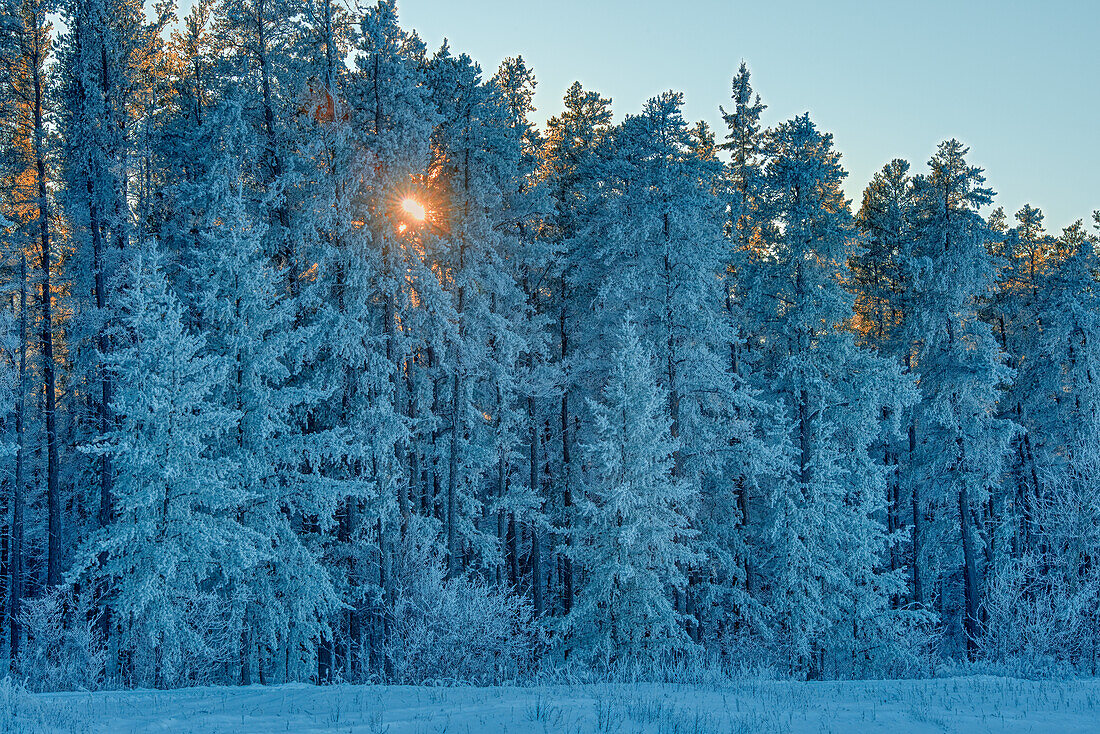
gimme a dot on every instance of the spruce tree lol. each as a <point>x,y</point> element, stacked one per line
<point>633,522</point>
<point>175,546</point>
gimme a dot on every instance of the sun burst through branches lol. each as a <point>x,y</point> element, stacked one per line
<point>414,209</point>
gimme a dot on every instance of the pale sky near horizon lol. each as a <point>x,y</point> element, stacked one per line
<point>1016,81</point>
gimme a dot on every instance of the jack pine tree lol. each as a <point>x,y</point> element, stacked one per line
<point>879,272</point>
<point>1026,254</point>
<point>109,61</point>
<point>827,540</point>
<point>745,143</point>
<point>474,167</point>
<point>573,155</point>
<point>247,320</point>
<point>959,441</point>
<point>668,269</point>
<point>30,170</point>
<point>519,345</point>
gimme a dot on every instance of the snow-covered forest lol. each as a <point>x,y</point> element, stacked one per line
<point>320,360</point>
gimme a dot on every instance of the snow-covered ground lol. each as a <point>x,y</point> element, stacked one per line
<point>965,705</point>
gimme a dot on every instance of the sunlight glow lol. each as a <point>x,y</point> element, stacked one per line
<point>414,209</point>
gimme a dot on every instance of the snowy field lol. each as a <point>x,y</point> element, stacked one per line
<point>965,705</point>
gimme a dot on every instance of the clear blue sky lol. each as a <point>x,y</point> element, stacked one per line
<point>1019,82</point>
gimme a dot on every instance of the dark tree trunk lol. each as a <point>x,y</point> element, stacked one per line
<point>20,462</point>
<point>970,574</point>
<point>53,498</point>
<point>566,563</point>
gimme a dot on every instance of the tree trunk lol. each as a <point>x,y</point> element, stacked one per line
<point>397,384</point>
<point>53,499</point>
<point>536,546</point>
<point>275,163</point>
<point>324,660</point>
<point>246,651</point>
<point>566,465</point>
<point>452,467</point>
<point>670,356</point>
<point>917,530</point>
<point>458,407</point>
<point>970,574</point>
<point>20,461</point>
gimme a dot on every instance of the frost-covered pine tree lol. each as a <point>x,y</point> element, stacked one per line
<point>746,224</point>
<point>825,529</point>
<point>879,279</point>
<point>632,533</point>
<point>108,70</point>
<point>476,151</point>
<point>878,276</point>
<point>175,546</point>
<point>1042,600</point>
<point>573,155</point>
<point>28,167</point>
<point>959,442</point>
<point>519,343</point>
<point>745,142</point>
<point>248,321</point>
<point>745,228</point>
<point>1025,254</point>
<point>667,266</point>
